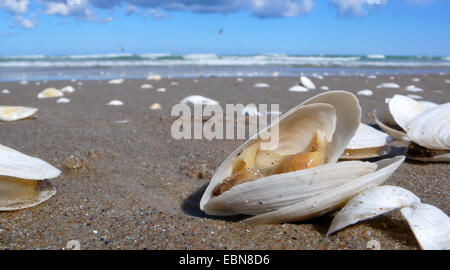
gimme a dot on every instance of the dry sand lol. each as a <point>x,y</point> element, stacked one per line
<point>138,188</point>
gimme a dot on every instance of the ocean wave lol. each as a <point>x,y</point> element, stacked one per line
<point>198,59</point>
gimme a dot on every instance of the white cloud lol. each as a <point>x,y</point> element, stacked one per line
<point>57,9</point>
<point>15,6</point>
<point>356,8</point>
<point>26,23</point>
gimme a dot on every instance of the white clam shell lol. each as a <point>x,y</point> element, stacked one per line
<point>367,137</point>
<point>23,180</point>
<point>196,99</point>
<point>305,193</point>
<point>261,85</point>
<point>430,225</point>
<point>372,202</point>
<point>385,121</point>
<point>388,85</point>
<point>63,100</point>
<point>431,129</point>
<point>332,199</point>
<point>404,109</point>
<point>116,81</point>
<point>115,103</point>
<point>306,82</point>
<point>365,92</point>
<point>50,93</point>
<point>298,88</point>
<point>13,113</point>
<point>68,89</point>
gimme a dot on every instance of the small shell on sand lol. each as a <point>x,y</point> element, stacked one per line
<point>115,103</point>
<point>239,80</point>
<point>161,90</point>
<point>174,83</point>
<point>415,96</point>
<point>68,89</point>
<point>412,88</point>
<point>154,77</point>
<point>298,88</point>
<point>415,79</point>
<point>324,88</point>
<point>371,77</point>
<point>121,121</point>
<point>13,113</point>
<point>5,91</point>
<point>50,93</point>
<point>146,86</point>
<point>365,92</point>
<point>116,81</point>
<point>388,85</point>
<point>261,85</point>
<point>155,106</point>
<point>63,100</point>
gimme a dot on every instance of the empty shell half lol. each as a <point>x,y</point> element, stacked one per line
<point>23,180</point>
<point>299,178</point>
<point>430,135</point>
<point>368,142</point>
<point>13,113</point>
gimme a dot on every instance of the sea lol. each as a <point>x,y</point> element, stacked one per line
<point>129,65</point>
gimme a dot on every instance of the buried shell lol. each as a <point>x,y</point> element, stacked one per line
<point>23,181</point>
<point>298,194</point>
<point>368,142</point>
<point>13,113</point>
<point>50,93</point>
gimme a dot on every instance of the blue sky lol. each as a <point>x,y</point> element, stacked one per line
<point>391,27</point>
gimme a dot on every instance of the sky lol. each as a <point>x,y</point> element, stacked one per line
<point>303,27</point>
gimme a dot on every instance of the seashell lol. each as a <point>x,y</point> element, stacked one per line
<point>298,88</point>
<point>365,92</point>
<point>5,91</point>
<point>415,96</point>
<point>23,181</point>
<point>116,81</point>
<point>155,106</point>
<point>68,89</point>
<point>196,99</point>
<point>415,80</point>
<point>427,104</point>
<point>385,121</point>
<point>154,77</point>
<point>174,83</point>
<point>388,85</point>
<point>298,178</point>
<point>63,100</point>
<point>430,132</point>
<point>146,86</point>
<point>412,88</point>
<point>115,103</point>
<point>306,82</point>
<point>13,113</point>
<point>367,143</point>
<point>404,109</point>
<point>372,202</point>
<point>261,85</point>
<point>50,93</point>
<point>324,88</point>
<point>161,90</point>
<point>371,77</point>
<point>430,225</point>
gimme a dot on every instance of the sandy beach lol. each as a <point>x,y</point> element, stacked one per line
<point>135,187</point>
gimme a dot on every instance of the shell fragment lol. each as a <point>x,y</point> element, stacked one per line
<point>13,113</point>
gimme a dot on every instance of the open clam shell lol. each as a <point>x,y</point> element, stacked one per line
<point>402,110</point>
<point>13,113</point>
<point>368,142</point>
<point>430,131</point>
<point>304,193</point>
<point>23,181</point>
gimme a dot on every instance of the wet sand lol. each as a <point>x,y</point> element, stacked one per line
<point>138,188</point>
